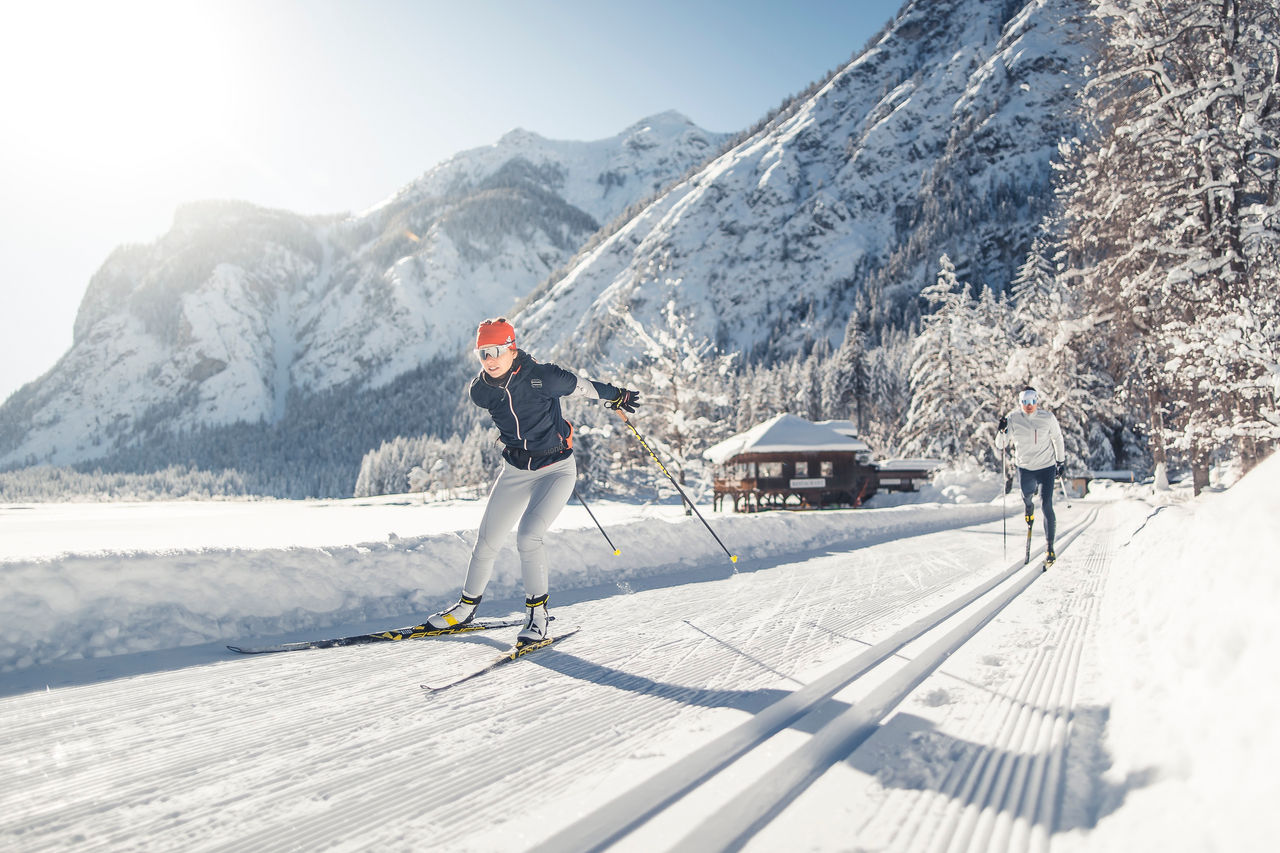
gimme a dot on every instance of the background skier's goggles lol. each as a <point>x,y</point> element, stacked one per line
<point>489,352</point>
<point>1027,398</point>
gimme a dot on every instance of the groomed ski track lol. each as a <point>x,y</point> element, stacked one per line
<point>709,715</point>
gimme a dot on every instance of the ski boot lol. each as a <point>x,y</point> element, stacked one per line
<point>1049,557</point>
<point>537,625</point>
<point>457,615</point>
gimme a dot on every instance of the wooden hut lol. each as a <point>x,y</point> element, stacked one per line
<point>905,475</point>
<point>788,462</point>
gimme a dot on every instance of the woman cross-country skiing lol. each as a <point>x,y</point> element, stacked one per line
<point>1040,455</point>
<point>538,470</point>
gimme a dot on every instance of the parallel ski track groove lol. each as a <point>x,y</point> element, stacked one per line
<point>731,826</point>
<point>173,739</point>
<point>97,783</point>
<point>597,749</point>
<point>1002,797</point>
<point>601,748</point>
<point>994,821</point>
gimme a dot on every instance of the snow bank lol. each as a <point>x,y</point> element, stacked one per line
<point>1189,645</point>
<point>75,606</point>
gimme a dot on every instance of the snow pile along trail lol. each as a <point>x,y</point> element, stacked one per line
<point>74,606</point>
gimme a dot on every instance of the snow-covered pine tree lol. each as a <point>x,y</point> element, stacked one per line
<point>1186,151</point>
<point>806,381</point>
<point>942,382</point>
<point>1054,351</point>
<point>689,405</point>
<point>846,380</point>
<point>889,396</point>
<point>1035,293</point>
<point>991,345</point>
<point>478,457</point>
<point>745,399</point>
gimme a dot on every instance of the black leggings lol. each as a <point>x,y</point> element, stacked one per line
<point>1044,480</point>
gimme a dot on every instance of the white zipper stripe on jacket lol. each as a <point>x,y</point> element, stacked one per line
<point>511,404</point>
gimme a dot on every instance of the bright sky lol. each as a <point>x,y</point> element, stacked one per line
<point>114,112</point>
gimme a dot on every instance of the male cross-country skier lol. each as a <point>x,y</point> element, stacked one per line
<point>538,469</point>
<point>1040,455</point>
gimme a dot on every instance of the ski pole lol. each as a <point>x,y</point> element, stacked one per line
<point>1004,503</point>
<point>732,557</point>
<point>1065,496</point>
<point>616,551</point>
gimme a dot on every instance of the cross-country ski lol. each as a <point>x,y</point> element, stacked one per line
<point>413,632</point>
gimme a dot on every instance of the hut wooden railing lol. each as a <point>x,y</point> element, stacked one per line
<point>755,494</point>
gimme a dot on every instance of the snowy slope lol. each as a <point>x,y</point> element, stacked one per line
<point>937,138</point>
<point>600,178</point>
<point>1120,701</point>
<point>237,308</point>
<point>908,150</point>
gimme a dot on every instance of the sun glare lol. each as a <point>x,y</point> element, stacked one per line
<point>123,89</point>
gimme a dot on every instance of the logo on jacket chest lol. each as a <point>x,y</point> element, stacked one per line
<point>535,382</point>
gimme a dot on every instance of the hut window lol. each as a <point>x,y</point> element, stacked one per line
<point>828,468</point>
<point>770,469</point>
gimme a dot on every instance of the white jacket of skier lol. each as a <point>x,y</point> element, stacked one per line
<point>1036,439</point>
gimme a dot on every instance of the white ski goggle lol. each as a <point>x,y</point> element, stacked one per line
<point>1027,398</point>
<point>484,353</point>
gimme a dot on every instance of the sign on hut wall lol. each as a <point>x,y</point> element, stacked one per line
<point>809,483</point>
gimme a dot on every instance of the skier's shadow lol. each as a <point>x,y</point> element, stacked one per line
<point>751,701</point>
<point>909,753</point>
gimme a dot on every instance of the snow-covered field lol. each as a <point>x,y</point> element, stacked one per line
<point>888,678</point>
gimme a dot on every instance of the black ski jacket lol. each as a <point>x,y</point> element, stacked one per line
<point>525,406</point>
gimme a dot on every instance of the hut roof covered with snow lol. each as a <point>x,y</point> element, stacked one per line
<point>785,433</point>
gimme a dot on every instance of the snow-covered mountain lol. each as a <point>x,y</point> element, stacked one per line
<point>308,341</point>
<point>238,309</point>
<point>938,138</point>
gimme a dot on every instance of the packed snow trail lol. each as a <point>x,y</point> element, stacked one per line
<point>745,813</point>
<point>951,776</point>
<point>340,749</point>
<point>1001,790</point>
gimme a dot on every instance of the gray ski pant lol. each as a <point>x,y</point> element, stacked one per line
<point>535,498</point>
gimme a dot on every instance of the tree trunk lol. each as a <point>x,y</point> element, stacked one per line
<point>1199,475</point>
<point>1158,455</point>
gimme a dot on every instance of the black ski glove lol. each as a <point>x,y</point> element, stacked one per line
<point>1003,425</point>
<point>1062,468</point>
<point>626,400</point>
